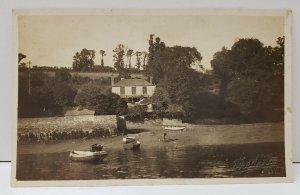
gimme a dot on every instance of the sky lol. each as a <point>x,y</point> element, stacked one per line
<point>52,40</point>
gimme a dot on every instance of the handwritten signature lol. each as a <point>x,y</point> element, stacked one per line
<point>263,163</point>
<point>244,163</point>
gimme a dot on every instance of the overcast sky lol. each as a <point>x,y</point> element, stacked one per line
<point>53,40</point>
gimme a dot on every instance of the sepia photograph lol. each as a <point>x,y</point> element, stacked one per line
<point>148,97</point>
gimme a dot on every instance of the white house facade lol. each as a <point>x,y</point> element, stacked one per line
<point>133,88</point>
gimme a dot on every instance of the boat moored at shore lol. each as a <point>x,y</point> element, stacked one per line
<point>173,125</point>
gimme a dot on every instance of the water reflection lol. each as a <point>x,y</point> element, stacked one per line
<point>244,160</point>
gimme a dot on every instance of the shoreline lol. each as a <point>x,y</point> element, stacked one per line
<point>150,135</point>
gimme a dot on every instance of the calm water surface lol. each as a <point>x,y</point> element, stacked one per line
<point>241,160</point>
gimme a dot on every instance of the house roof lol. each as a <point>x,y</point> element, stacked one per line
<point>132,82</point>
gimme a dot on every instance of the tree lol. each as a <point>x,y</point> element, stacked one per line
<point>41,101</point>
<point>87,95</point>
<point>119,61</point>
<point>136,113</point>
<point>221,67</point>
<point>110,104</point>
<point>84,61</point>
<point>182,88</point>
<point>171,68</point>
<point>21,57</point>
<point>63,76</point>
<point>245,59</point>
<point>128,55</point>
<point>250,71</point>
<point>275,57</point>
<point>138,55</point>
<point>63,94</point>
<point>23,96</point>
<point>170,59</point>
<point>49,95</point>
<point>22,65</point>
<point>102,53</point>
<point>248,59</point>
<point>145,56</point>
<point>154,46</point>
<point>251,96</point>
<point>161,100</point>
<point>119,57</point>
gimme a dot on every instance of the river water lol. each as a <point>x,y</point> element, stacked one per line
<point>216,161</point>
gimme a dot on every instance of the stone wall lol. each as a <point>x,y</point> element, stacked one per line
<point>85,123</point>
<point>68,127</point>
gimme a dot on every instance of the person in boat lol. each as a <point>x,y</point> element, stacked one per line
<point>96,147</point>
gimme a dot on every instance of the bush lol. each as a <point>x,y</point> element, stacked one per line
<point>136,113</point>
<point>110,104</point>
<point>252,97</point>
<point>87,95</point>
<point>62,76</point>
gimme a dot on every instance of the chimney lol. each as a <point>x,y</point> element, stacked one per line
<point>151,78</point>
<point>112,81</point>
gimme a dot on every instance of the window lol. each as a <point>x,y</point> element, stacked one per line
<point>122,90</point>
<point>133,90</point>
<point>144,90</point>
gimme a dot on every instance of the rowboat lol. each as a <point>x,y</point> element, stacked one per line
<point>128,139</point>
<point>132,145</point>
<point>173,124</point>
<point>85,156</point>
<point>174,128</point>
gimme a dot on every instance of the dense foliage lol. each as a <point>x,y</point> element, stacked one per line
<point>47,96</point>
<point>84,60</point>
<point>51,96</point>
<point>110,104</point>
<point>252,76</point>
<point>251,80</point>
<point>177,83</point>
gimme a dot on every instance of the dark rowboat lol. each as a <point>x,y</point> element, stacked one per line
<point>128,139</point>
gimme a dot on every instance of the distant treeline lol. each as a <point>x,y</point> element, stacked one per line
<point>96,68</point>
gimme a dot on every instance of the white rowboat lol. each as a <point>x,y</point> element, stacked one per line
<point>174,128</point>
<point>173,124</point>
<point>85,156</point>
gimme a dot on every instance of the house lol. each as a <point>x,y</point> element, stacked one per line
<point>134,89</point>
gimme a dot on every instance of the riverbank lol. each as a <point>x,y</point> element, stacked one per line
<point>150,134</point>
